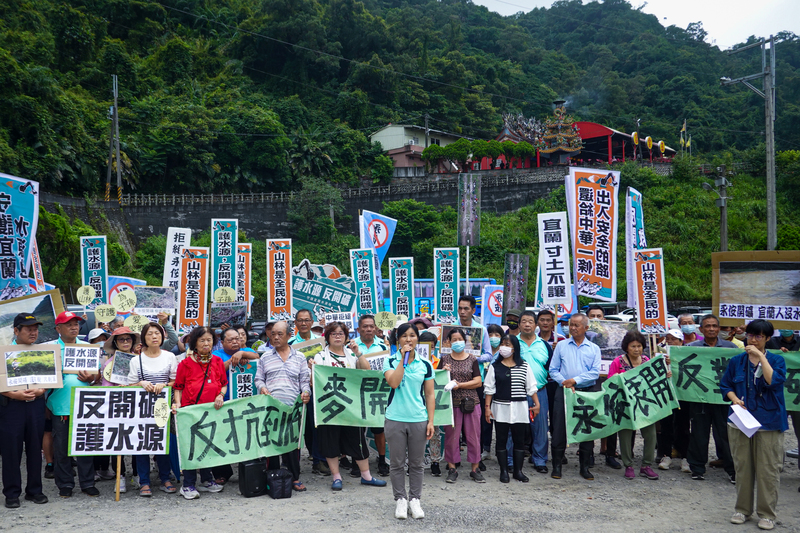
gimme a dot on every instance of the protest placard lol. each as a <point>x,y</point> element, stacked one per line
<point>556,286</point>
<point>446,279</point>
<point>242,379</point>
<point>81,357</point>
<point>120,367</point>
<point>177,240</point>
<point>279,284</point>
<point>150,301</point>
<point>757,284</point>
<point>233,313</point>
<point>632,400</point>
<point>378,359</point>
<point>321,289</point>
<point>136,322</point>
<point>119,420</point>
<point>224,240</point>
<point>592,206</point>
<point>401,285</point>
<point>85,294</point>
<point>36,267</point>
<point>469,210</point>
<point>194,289</point>
<point>45,306</point>
<point>651,292</point>
<point>310,348</point>
<point>30,366</point>
<point>608,335</point>
<point>124,301</point>
<point>122,283</point>
<point>515,282</point>
<point>19,220</point>
<point>244,259</point>
<point>244,429</point>
<point>634,237</point>
<point>351,397</point>
<point>473,338</point>
<point>379,230</point>
<point>563,309</point>
<point>697,370</point>
<point>94,267</point>
<point>492,307</point>
<point>362,264</point>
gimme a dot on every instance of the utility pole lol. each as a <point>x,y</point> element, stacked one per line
<point>768,94</point>
<point>333,222</point>
<point>427,130</point>
<point>722,185</point>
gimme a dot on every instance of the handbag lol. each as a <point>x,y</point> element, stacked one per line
<point>253,478</point>
<point>279,484</point>
<point>467,405</point>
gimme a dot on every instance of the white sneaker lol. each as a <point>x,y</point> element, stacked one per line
<point>401,511</point>
<point>685,466</point>
<point>123,487</point>
<point>209,486</point>
<point>190,493</point>
<point>665,462</point>
<point>416,509</point>
<point>108,474</point>
<point>484,455</point>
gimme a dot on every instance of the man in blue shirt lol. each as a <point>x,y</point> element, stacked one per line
<point>576,366</point>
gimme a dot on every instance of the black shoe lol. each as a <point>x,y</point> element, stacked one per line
<point>383,468</point>
<point>732,477</point>
<point>564,460</point>
<point>36,498</point>
<point>344,462</point>
<point>91,491</point>
<point>541,469</point>
<point>591,459</point>
<point>65,492</point>
<point>12,503</point>
<point>321,469</point>
<point>502,460</point>
<point>49,472</point>
<point>613,463</point>
<point>452,475</point>
<point>584,467</point>
<point>458,464</point>
<point>698,477</point>
<point>556,471</point>
<point>355,471</point>
<point>482,466</point>
<point>435,470</point>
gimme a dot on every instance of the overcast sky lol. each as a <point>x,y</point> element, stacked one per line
<point>727,22</point>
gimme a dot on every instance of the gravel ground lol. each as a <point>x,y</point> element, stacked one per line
<point>673,503</point>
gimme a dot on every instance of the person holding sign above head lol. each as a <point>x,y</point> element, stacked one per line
<point>409,419</point>
<point>633,345</point>
<point>753,381</point>
<point>367,343</point>
<point>465,378</point>
<point>303,322</point>
<point>335,441</point>
<point>22,420</point>
<point>283,373</point>
<point>575,366</point>
<point>200,378</point>
<point>153,370</point>
<point>68,326</point>
<point>509,384</point>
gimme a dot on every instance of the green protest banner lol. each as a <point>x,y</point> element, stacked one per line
<point>791,388</point>
<point>350,397</point>
<point>244,429</point>
<point>632,400</point>
<point>696,371</point>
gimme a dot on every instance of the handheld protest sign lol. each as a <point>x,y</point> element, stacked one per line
<point>224,241</point>
<point>446,267</point>
<point>150,301</point>
<point>244,256</point>
<point>85,295</point>
<point>242,379</point>
<point>120,368</point>
<point>650,291</point>
<point>401,319</point>
<point>105,313</point>
<point>81,357</point>
<point>385,320</point>
<point>310,348</point>
<point>362,261</point>
<point>94,267</point>
<point>401,285</point>
<point>124,301</point>
<point>46,305</point>
<point>136,323</point>
<point>279,279</point>
<point>377,359</point>
<point>177,240</point>
<point>31,366</point>
<point>194,289</point>
<point>224,295</point>
<point>234,314</point>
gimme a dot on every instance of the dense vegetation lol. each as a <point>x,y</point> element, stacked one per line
<point>239,95</point>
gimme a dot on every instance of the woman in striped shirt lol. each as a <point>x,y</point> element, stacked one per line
<point>153,370</point>
<point>508,384</point>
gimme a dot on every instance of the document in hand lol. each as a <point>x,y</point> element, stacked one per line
<point>743,420</point>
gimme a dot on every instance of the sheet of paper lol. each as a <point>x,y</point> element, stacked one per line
<point>744,420</point>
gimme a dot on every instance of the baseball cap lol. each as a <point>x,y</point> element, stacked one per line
<point>25,319</point>
<point>678,334</point>
<point>565,318</point>
<point>96,332</point>
<point>66,316</point>
<point>516,312</point>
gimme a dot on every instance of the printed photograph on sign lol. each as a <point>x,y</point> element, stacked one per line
<point>155,297</point>
<point>474,338</point>
<point>120,367</point>
<point>37,366</point>
<point>234,314</point>
<point>81,357</point>
<point>311,347</point>
<point>608,335</point>
<point>45,306</point>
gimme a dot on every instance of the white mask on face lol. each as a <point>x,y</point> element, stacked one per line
<point>505,351</point>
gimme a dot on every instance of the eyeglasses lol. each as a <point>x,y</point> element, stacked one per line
<point>337,334</point>
<point>304,321</point>
<point>755,337</point>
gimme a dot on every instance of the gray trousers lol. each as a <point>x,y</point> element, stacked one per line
<point>758,463</point>
<point>62,462</point>
<point>406,437</point>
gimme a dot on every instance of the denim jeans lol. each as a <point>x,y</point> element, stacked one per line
<point>539,428</point>
<point>143,465</point>
<point>190,476</point>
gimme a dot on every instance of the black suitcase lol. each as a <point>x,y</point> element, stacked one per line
<point>253,478</point>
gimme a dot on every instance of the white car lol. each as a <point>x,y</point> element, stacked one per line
<point>630,314</point>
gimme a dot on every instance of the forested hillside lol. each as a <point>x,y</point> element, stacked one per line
<point>237,96</point>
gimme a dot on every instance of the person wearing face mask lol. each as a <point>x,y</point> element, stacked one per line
<point>787,341</point>
<point>495,334</point>
<point>740,335</point>
<point>688,328</point>
<point>728,333</point>
<point>510,384</point>
<point>466,377</point>
<point>706,417</point>
<point>512,321</point>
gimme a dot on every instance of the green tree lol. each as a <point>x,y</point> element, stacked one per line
<point>522,151</point>
<point>309,211</point>
<point>459,152</point>
<point>432,155</point>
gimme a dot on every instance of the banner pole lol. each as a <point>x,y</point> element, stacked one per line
<point>467,277</point>
<point>119,469</point>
